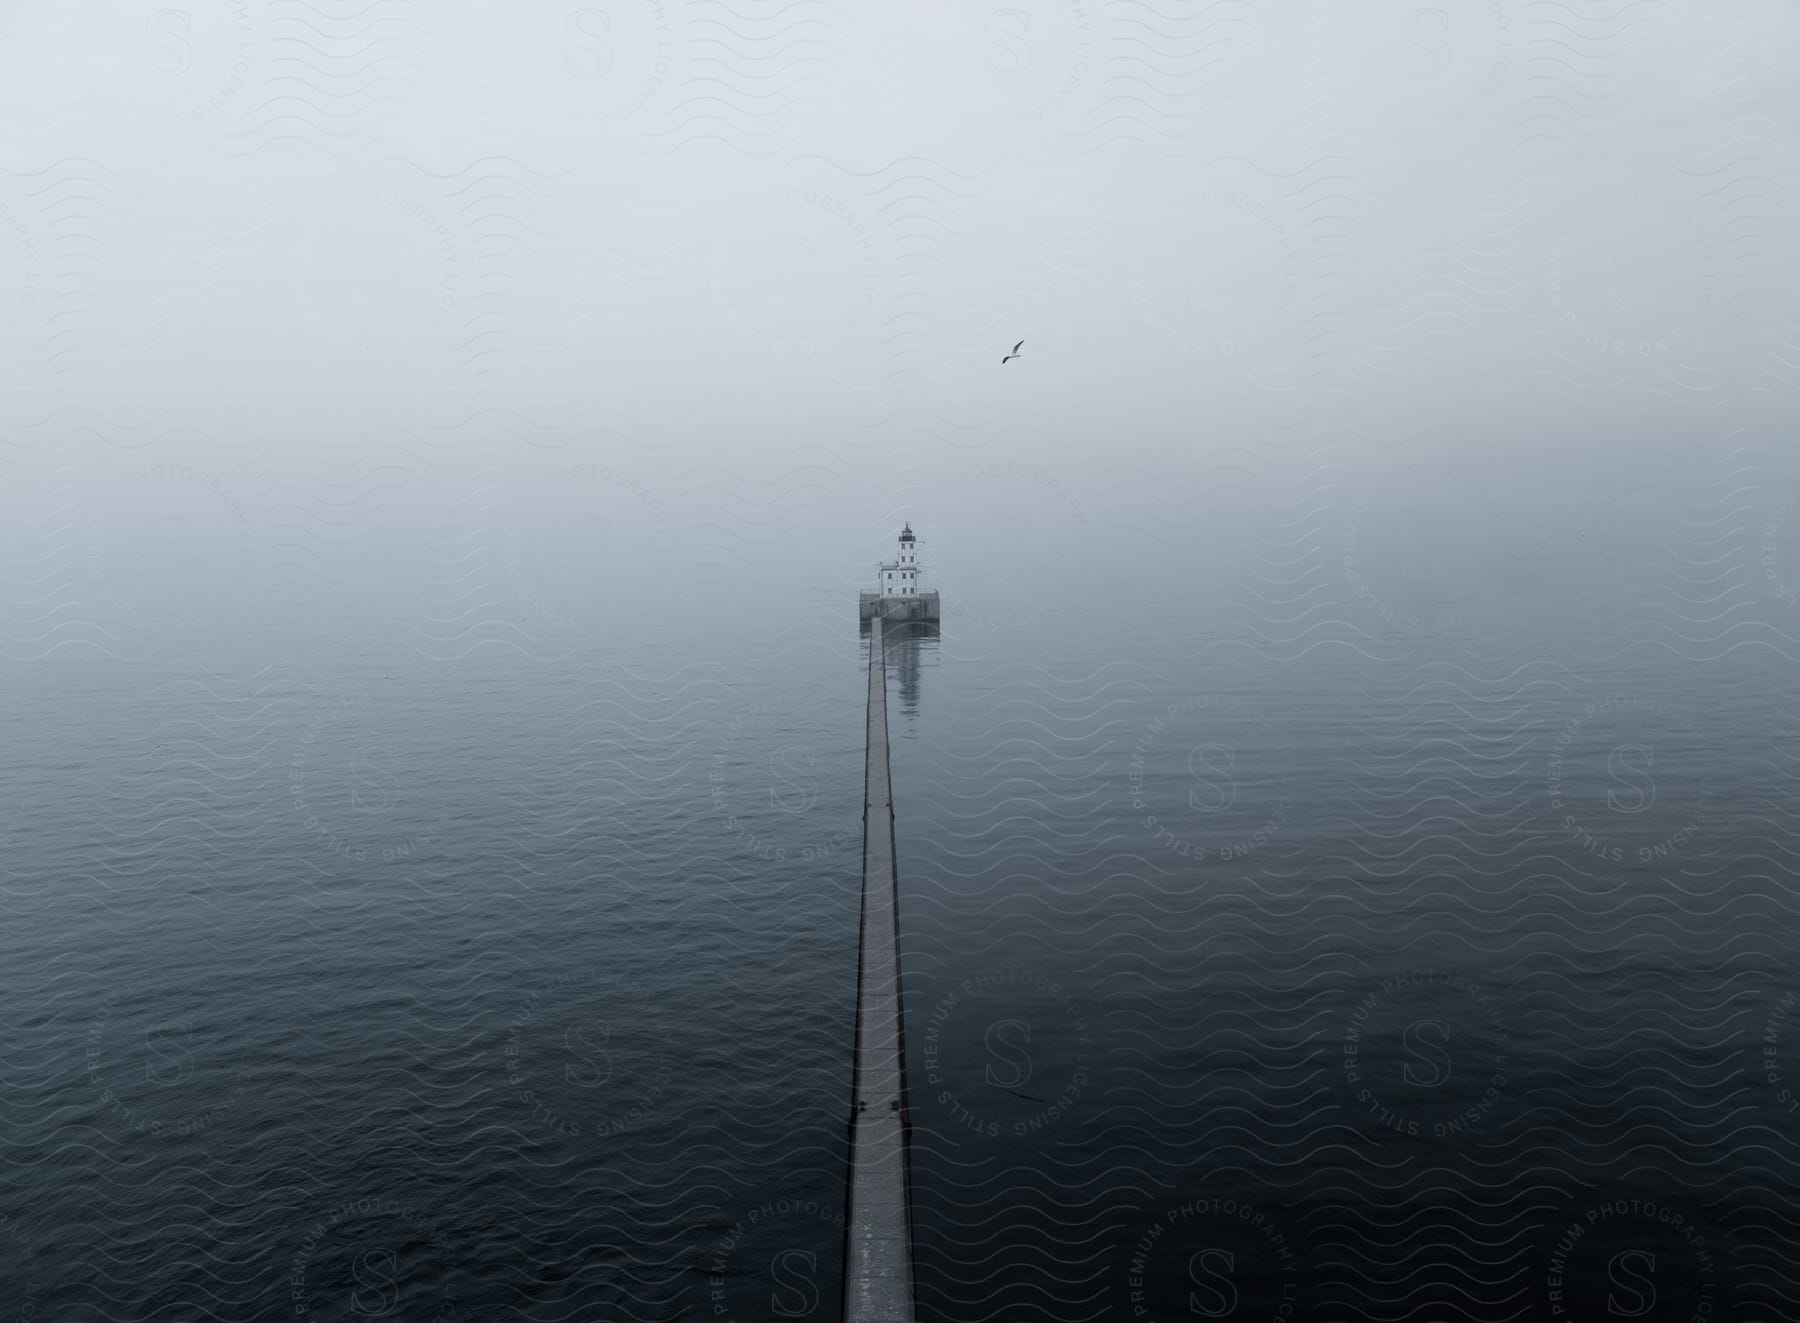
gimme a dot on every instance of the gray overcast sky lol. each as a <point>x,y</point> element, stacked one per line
<point>786,246</point>
<point>555,199</point>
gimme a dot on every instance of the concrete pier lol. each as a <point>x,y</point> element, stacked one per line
<point>921,607</point>
<point>878,1260</point>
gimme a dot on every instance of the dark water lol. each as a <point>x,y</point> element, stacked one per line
<point>1361,1025</point>
<point>1265,960</point>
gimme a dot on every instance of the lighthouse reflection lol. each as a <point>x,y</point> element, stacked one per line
<point>904,643</point>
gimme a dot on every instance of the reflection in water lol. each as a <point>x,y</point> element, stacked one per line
<point>904,640</point>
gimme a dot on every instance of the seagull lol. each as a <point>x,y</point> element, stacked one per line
<point>1015,353</point>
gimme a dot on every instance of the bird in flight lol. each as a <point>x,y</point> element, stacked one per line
<point>1015,353</point>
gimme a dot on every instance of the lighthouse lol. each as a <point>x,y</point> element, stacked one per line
<point>900,596</point>
<point>900,576</point>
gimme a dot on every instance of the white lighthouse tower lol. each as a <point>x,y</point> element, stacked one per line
<point>900,577</point>
<point>900,597</point>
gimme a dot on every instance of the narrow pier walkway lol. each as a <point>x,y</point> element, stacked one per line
<point>878,1263</point>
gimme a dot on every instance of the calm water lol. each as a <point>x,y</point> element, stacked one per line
<point>1253,970</point>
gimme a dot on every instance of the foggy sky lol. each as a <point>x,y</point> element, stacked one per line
<point>762,263</point>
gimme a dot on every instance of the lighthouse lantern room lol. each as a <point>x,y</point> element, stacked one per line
<point>900,577</point>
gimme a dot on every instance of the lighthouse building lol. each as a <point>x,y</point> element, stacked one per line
<point>899,598</point>
<point>900,577</point>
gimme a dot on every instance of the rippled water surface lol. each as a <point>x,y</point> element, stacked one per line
<point>1325,991</point>
<point>340,980</point>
